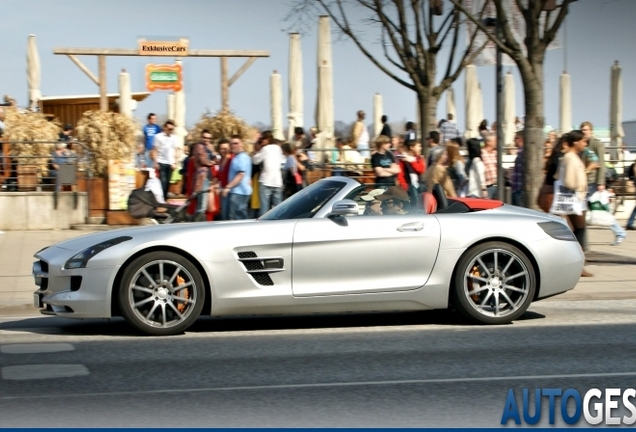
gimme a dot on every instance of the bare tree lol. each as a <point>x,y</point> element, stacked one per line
<point>411,39</point>
<point>542,21</point>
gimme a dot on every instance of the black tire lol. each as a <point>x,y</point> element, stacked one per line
<point>161,305</point>
<point>482,295</point>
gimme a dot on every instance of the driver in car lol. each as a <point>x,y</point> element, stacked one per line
<point>395,201</point>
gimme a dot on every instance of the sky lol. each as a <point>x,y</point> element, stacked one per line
<point>597,33</point>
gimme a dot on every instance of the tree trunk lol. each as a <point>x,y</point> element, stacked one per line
<point>533,139</point>
<point>427,116</point>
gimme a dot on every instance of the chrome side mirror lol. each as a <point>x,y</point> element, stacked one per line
<point>344,208</point>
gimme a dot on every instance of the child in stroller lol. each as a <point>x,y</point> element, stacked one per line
<point>144,204</point>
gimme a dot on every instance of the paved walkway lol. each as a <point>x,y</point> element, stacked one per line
<point>614,267</point>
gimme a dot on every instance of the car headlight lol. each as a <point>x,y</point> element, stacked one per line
<point>557,230</point>
<point>80,260</point>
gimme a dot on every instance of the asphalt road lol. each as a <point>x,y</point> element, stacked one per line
<point>398,370</point>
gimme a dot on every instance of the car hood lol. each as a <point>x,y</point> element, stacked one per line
<point>148,232</point>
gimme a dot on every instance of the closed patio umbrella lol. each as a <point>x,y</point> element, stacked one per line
<point>296,98</point>
<point>377,114</point>
<point>616,112</point>
<point>565,103</point>
<point>325,108</point>
<point>509,109</point>
<point>170,105</point>
<point>276,105</point>
<point>125,97</point>
<point>34,73</point>
<point>473,105</point>
<point>180,114</point>
<point>450,103</point>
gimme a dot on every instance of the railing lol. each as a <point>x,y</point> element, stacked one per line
<point>33,171</point>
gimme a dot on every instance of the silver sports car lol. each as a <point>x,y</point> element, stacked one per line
<point>333,247</point>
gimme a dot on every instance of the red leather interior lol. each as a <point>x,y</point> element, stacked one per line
<point>479,203</point>
<point>429,202</point>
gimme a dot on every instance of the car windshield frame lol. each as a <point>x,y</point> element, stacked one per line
<point>299,205</point>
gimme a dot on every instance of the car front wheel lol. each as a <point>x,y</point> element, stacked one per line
<point>494,283</point>
<point>161,293</point>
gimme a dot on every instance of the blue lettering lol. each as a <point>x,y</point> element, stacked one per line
<point>571,393</point>
<point>551,393</point>
<point>537,407</point>
<point>511,411</point>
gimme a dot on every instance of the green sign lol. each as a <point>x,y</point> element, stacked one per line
<point>164,77</point>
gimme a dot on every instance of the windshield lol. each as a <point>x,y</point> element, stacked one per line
<point>305,203</point>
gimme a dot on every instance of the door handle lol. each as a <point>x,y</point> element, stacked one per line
<point>411,227</point>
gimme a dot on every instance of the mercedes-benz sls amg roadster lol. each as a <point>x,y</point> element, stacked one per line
<point>319,251</point>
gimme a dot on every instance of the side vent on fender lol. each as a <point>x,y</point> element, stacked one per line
<point>260,267</point>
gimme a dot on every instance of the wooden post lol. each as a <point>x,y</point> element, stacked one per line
<point>103,99</point>
<point>225,103</point>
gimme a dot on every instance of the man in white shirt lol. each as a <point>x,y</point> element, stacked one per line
<point>360,135</point>
<point>165,155</point>
<point>270,187</point>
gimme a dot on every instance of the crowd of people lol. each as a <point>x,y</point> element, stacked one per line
<point>247,183</point>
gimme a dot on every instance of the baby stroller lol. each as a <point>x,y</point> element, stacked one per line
<point>144,204</point>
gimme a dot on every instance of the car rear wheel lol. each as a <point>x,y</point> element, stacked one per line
<point>161,293</point>
<point>494,283</point>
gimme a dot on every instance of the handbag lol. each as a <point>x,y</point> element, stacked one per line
<point>566,201</point>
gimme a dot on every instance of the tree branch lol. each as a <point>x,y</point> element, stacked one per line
<point>505,49</point>
<point>551,33</point>
<point>345,28</point>
<point>455,14</point>
<point>386,53</point>
<point>451,58</point>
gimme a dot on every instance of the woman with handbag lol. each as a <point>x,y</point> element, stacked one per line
<point>573,176</point>
<point>546,194</point>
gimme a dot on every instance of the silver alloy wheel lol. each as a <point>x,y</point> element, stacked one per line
<point>496,283</point>
<point>162,293</point>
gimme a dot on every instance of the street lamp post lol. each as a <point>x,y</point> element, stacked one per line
<point>501,183</point>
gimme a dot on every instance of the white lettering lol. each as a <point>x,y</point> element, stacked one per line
<point>598,407</point>
<point>611,404</point>
<point>629,393</point>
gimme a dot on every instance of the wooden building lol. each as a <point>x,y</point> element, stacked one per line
<point>69,109</point>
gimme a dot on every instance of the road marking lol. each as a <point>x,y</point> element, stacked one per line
<point>43,371</point>
<point>328,385</point>
<point>36,348</point>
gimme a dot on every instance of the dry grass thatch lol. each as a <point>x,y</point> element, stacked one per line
<point>109,136</point>
<point>31,126</point>
<point>224,124</point>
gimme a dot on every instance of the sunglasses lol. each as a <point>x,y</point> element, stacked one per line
<point>388,202</point>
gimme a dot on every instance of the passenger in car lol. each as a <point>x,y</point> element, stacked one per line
<point>395,201</point>
<point>373,205</point>
<point>438,173</point>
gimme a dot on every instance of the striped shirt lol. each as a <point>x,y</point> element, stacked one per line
<point>490,163</point>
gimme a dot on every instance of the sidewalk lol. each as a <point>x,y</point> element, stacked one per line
<point>614,267</point>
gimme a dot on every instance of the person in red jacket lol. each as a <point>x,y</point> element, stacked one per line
<point>412,166</point>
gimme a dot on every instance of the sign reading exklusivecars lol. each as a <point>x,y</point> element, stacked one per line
<point>163,48</point>
<point>164,77</point>
<point>611,406</point>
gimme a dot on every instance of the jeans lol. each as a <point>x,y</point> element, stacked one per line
<point>165,173</point>
<point>202,200</point>
<point>147,159</point>
<point>225,207</point>
<point>518,198</point>
<point>492,191</point>
<point>270,197</point>
<point>615,227</point>
<point>238,206</point>
<point>632,218</point>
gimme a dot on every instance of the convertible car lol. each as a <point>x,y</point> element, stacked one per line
<point>332,247</point>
